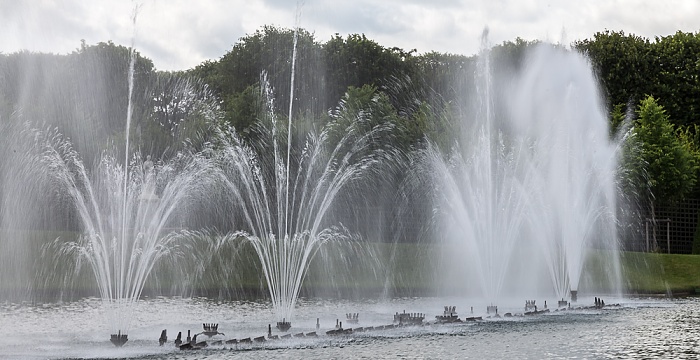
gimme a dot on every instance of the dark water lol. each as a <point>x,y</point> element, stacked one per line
<point>638,329</point>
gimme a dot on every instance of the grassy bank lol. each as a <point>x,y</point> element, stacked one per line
<point>344,271</point>
<point>410,269</point>
<point>646,273</point>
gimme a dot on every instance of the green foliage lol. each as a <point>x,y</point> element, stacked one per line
<point>617,118</point>
<point>446,75</point>
<point>509,55</point>
<point>243,109</point>
<point>631,67</point>
<point>269,50</point>
<point>670,164</point>
<point>357,61</point>
<point>624,62</point>
<point>677,81</point>
<point>366,102</point>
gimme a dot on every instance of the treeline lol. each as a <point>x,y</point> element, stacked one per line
<point>654,82</point>
<point>355,68</point>
<point>657,82</point>
<point>85,94</point>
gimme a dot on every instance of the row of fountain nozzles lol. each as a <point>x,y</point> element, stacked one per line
<point>351,316</point>
<point>450,309</point>
<point>599,303</point>
<point>404,315</point>
<point>530,304</point>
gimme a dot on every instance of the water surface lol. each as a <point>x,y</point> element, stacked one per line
<point>638,329</point>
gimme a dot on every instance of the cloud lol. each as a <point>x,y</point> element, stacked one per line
<point>179,34</point>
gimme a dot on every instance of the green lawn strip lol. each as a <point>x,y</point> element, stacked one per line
<point>661,273</point>
<point>405,268</point>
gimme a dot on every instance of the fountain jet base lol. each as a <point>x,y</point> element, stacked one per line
<point>284,325</point>
<point>492,309</point>
<point>119,339</point>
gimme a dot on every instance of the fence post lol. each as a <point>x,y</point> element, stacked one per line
<point>668,235</point>
<point>646,232</point>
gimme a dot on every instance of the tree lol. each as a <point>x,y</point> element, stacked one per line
<point>617,118</point>
<point>631,66</point>
<point>624,63</point>
<point>677,84</point>
<point>270,50</point>
<point>671,166</point>
<point>357,61</point>
<point>181,109</point>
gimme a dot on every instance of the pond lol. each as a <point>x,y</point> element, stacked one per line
<point>638,328</point>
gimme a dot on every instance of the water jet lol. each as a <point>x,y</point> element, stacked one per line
<point>531,182</point>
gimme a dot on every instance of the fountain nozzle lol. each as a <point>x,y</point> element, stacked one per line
<point>119,339</point>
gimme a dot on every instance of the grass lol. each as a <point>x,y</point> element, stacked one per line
<point>647,273</point>
<point>396,269</point>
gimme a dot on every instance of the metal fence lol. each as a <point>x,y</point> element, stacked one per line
<point>672,230</point>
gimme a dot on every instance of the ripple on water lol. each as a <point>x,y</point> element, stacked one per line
<point>638,330</point>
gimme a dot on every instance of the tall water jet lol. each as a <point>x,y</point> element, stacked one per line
<point>557,107</point>
<point>482,201</point>
<point>530,187</point>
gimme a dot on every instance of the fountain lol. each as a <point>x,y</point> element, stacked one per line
<point>123,217</point>
<point>284,209</point>
<point>514,192</point>
<point>533,180</point>
<point>131,211</point>
<point>127,228</point>
<point>284,195</point>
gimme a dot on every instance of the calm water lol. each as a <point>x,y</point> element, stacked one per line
<point>639,328</point>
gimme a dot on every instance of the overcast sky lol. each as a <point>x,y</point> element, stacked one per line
<point>179,34</point>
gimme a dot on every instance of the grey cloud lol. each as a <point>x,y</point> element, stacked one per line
<point>178,34</point>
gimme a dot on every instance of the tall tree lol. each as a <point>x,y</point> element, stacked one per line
<point>671,167</point>
<point>356,61</point>
<point>270,51</point>
<point>677,84</point>
<point>624,63</point>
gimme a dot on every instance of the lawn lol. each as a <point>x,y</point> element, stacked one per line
<point>393,269</point>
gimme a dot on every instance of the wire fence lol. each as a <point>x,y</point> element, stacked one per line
<point>671,230</point>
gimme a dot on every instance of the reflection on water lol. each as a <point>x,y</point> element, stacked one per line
<point>651,328</point>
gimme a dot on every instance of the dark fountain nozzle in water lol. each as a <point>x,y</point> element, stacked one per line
<point>492,309</point>
<point>284,325</point>
<point>178,340</point>
<point>574,295</point>
<point>119,339</point>
<point>163,337</point>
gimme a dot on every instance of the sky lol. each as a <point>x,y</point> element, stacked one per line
<point>180,34</point>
